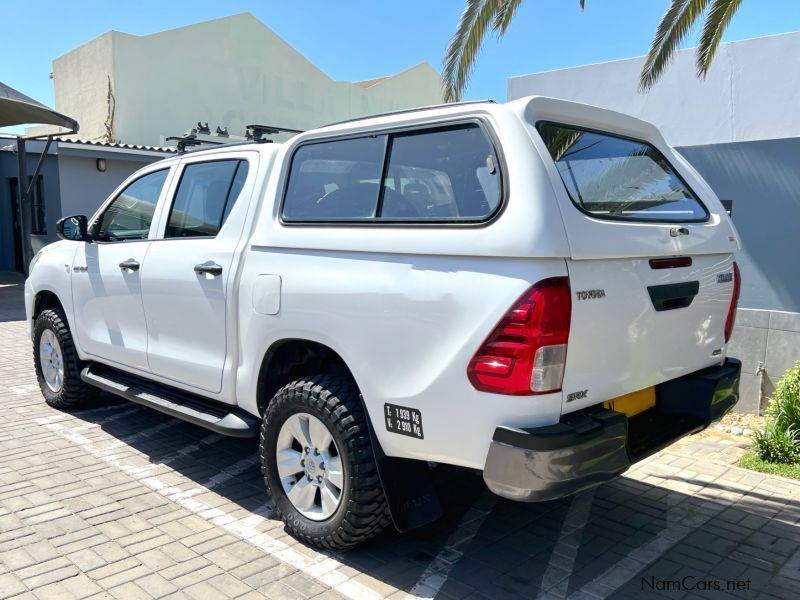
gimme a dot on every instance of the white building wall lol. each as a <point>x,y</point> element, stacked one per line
<point>81,79</point>
<point>750,92</point>
<point>231,72</point>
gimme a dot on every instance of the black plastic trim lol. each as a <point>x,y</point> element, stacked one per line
<point>216,416</point>
<point>673,295</point>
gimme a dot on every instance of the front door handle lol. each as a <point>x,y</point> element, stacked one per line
<point>129,265</point>
<point>208,268</point>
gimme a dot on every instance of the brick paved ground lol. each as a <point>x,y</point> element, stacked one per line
<point>120,501</point>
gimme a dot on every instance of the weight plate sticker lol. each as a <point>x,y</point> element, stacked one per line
<point>403,420</point>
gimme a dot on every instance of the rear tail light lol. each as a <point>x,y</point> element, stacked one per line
<point>737,286</point>
<point>527,350</point>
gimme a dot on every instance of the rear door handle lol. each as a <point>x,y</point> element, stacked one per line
<point>208,268</point>
<point>130,265</point>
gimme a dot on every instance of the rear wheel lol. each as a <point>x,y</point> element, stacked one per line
<point>318,463</point>
<point>58,367</point>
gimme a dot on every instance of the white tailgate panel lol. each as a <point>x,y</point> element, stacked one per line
<point>619,343</point>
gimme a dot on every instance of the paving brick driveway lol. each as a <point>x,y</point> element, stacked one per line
<point>121,501</point>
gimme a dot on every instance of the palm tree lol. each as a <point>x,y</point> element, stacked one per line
<point>480,16</point>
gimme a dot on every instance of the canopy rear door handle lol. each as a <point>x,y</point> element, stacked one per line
<point>208,268</point>
<point>129,265</point>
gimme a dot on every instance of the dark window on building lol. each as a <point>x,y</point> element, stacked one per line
<point>37,215</point>
<point>619,178</point>
<point>130,214</point>
<point>444,174</point>
<point>206,193</point>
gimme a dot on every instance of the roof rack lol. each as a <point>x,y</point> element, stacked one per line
<point>189,140</point>
<point>408,110</point>
<point>257,132</point>
<point>255,135</point>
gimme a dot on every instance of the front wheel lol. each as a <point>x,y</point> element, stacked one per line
<point>318,463</point>
<point>58,367</point>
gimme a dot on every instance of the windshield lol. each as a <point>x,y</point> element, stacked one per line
<point>618,178</point>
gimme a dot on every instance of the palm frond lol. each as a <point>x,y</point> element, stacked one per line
<point>717,21</point>
<point>559,140</point>
<point>505,13</point>
<point>674,25</point>
<point>464,47</point>
<point>466,44</point>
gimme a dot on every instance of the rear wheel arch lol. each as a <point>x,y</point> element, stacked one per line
<point>290,359</point>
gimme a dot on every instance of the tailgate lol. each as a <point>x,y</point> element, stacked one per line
<point>632,328</point>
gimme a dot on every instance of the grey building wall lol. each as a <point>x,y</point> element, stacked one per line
<point>768,343</point>
<point>762,178</point>
<point>84,188</point>
<point>51,194</point>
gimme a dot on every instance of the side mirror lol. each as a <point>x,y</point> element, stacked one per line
<point>73,228</point>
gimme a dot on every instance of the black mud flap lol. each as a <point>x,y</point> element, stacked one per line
<point>412,498</point>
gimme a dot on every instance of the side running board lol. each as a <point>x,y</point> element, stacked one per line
<point>195,409</point>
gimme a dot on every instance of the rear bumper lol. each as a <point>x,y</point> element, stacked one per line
<point>590,447</point>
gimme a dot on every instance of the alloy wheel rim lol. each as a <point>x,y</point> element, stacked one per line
<point>51,360</point>
<point>309,466</point>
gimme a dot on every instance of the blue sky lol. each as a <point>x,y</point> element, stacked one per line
<point>353,40</point>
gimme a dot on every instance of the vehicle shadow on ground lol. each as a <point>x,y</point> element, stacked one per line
<point>625,539</point>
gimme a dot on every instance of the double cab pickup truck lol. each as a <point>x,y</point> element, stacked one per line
<point>541,291</point>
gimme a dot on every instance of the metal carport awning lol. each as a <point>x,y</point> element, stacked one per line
<point>18,109</point>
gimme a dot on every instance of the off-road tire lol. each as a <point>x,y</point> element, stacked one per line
<point>362,512</point>
<point>74,392</point>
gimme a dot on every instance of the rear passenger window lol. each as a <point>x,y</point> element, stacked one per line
<point>206,193</point>
<point>334,181</point>
<point>446,174</point>
<point>618,178</point>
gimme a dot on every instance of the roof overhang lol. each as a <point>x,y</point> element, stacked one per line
<point>18,109</point>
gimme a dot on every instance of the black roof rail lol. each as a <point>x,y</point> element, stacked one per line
<point>257,132</point>
<point>255,135</point>
<point>188,140</point>
<point>409,110</point>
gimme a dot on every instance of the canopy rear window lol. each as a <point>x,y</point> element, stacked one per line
<point>612,177</point>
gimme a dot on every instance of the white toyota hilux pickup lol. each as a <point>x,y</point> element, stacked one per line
<point>540,290</point>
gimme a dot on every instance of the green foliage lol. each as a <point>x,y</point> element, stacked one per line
<point>753,462</point>
<point>784,406</point>
<point>779,441</point>
<point>776,445</point>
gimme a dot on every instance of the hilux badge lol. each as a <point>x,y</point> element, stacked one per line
<point>724,277</point>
